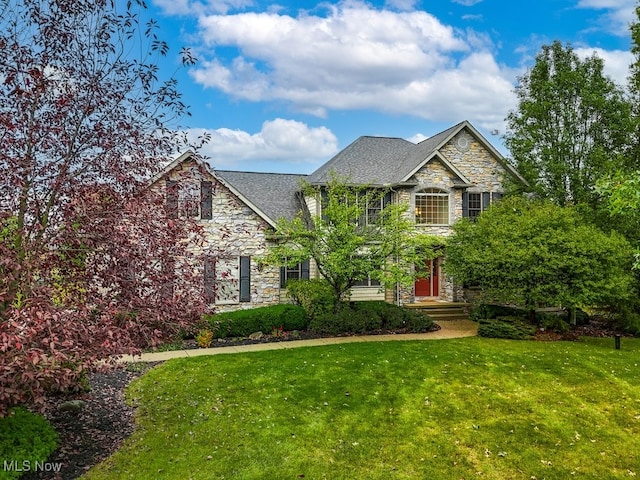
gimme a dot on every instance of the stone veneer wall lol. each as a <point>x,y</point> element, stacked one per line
<point>234,230</point>
<point>480,167</point>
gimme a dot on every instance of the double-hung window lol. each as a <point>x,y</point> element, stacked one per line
<point>299,271</point>
<point>227,280</point>
<point>474,203</point>
<point>432,207</point>
<point>182,199</point>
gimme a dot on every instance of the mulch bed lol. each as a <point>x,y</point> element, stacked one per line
<point>92,434</point>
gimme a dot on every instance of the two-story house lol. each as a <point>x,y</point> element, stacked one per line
<point>456,173</point>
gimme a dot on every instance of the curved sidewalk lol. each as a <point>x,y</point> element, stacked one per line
<point>449,329</point>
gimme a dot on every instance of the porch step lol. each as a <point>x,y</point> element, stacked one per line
<point>443,310</point>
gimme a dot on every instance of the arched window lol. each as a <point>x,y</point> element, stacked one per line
<point>432,207</point>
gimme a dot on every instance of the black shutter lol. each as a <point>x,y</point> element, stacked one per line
<point>245,279</point>
<point>171,203</point>
<point>206,201</point>
<point>495,197</point>
<point>167,277</point>
<point>283,277</point>
<point>304,270</point>
<point>210,279</point>
<point>465,204</point>
<point>486,200</point>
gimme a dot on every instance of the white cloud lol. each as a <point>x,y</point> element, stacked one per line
<point>279,145</point>
<point>356,57</point>
<point>619,14</point>
<point>467,3</point>
<point>191,7</point>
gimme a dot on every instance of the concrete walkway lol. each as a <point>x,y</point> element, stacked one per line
<point>449,329</point>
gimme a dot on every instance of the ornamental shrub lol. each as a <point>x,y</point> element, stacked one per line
<point>485,311</point>
<point>25,437</point>
<point>315,296</point>
<point>511,327</point>
<point>242,323</point>
<point>363,317</point>
<point>418,322</point>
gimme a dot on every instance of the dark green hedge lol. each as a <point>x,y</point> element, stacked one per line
<point>362,317</point>
<point>242,323</point>
<point>512,327</point>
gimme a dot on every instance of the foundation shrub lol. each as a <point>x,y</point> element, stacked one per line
<point>242,323</point>
<point>315,296</point>
<point>417,322</point>
<point>511,327</point>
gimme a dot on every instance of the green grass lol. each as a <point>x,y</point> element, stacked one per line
<point>449,409</point>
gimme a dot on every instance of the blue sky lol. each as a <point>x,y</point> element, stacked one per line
<point>284,86</point>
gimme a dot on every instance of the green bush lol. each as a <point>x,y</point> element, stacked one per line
<point>242,323</point>
<point>347,320</point>
<point>362,317</point>
<point>315,296</point>
<point>25,437</point>
<point>486,311</point>
<point>631,324</point>
<point>391,316</point>
<point>512,327</point>
<point>553,322</point>
<point>417,322</point>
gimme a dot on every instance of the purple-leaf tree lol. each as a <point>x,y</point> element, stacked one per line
<point>87,252</point>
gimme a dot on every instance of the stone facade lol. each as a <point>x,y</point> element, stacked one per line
<point>463,163</point>
<point>477,164</point>
<point>234,230</point>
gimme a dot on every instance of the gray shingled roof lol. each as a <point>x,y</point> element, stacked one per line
<point>273,193</point>
<point>368,160</point>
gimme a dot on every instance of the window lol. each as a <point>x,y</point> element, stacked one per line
<point>227,280</point>
<point>432,207</point>
<point>182,199</point>
<point>299,271</point>
<point>375,202</point>
<point>474,203</point>
<point>367,282</point>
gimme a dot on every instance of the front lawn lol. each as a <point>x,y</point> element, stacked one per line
<point>449,409</point>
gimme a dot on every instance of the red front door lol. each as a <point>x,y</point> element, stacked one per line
<point>429,287</point>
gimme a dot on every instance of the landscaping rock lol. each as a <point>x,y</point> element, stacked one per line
<point>256,336</point>
<point>73,406</point>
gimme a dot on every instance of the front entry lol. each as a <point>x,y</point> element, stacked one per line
<point>429,287</point>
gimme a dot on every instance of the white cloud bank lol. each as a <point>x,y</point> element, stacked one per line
<point>281,145</point>
<point>357,57</point>
<point>353,56</point>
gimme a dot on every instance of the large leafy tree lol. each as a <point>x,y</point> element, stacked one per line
<point>537,254</point>
<point>620,190</point>
<point>84,124</point>
<point>358,234</point>
<point>572,126</point>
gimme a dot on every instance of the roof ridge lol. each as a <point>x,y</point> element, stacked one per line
<point>262,173</point>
